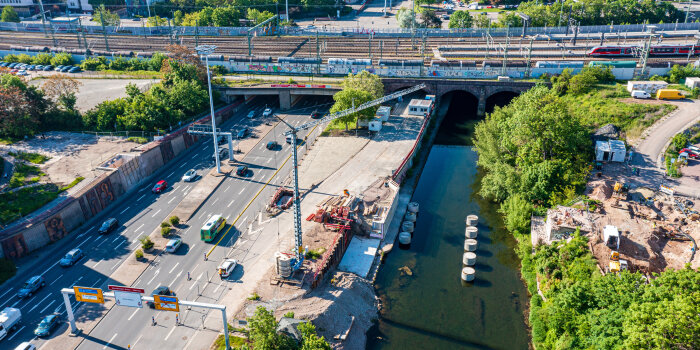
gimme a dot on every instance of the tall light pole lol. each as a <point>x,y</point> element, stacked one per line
<point>207,50</point>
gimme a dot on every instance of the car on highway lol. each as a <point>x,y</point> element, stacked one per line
<point>272,145</point>
<point>159,187</point>
<point>162,290</point>
<point>251,114</point>
<point>316,114</point>
<point>242,170</point>
<point>26,346</point>
<point>690,152</point>
<point>47,325</point>
<point>267,112</point>
<point>190,175</point>
<point>172,245</point>
<point>108,226</point>
<point>223,153</point>
<point>289,139</point>
<point>227,267</point>
<point>71,257</point>
<point>31,286</point>
<point>242,133</point>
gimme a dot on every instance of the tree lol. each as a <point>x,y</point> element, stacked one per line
<point>365,81</point>
<point>482,21</point>
<point>16,119</point>
<point>517,212</point>
<point>155,63</point>
<point>42,59</point>
<point>62,59</point>
<point>309,339</point>
<point>155,21</point>
<point>105,116</point>
<point>429,19</point>
<point>188,96</point>
<point>61,89</point>
<point>345,100</point>
<point>257,16</point>
<point>461,19</point>
<point>225,16</point>
<point>9,15</point>
<point>405,18</point>
<point>104,17</point>
<point>263,329</point>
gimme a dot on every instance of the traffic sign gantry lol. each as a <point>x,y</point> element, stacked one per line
<point>166,303</point>
<point>89,295</point>
<point>127,296</point>
<point>126,289</point>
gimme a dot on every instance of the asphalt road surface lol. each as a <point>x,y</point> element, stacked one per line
<point>138,216</point>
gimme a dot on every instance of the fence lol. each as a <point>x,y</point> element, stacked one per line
<point>332,257</point>
<point>400,172</point>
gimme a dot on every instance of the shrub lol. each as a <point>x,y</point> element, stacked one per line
<point>138,139</point>
<point>146,243</point>
<point>289,314</point>
<point>24,58</point>
<point>164,224</point>
<point>254,296</point>
<point>315,254</point>
<point>165,231</point>
<point>42,59</point>
<point>138,254</point>
<point>11,58</point>
<point>62,59</point>
<point>680,141</point>
<point>93,63</point>
<point>119,63</point>
<point>174,220</point>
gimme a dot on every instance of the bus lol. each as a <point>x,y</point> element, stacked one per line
<point>212,227</point>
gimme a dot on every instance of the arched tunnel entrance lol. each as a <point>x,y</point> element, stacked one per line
<point>458,125</point>
<point>499,99</point>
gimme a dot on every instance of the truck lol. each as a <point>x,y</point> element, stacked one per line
<point>9,319</point>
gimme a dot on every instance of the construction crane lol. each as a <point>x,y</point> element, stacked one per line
<point>298,249</point>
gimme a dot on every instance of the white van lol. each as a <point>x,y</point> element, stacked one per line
<point>641,94</point>
<point>9,318</point>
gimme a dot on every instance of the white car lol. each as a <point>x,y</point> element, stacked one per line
<point>267,112</point>
<point>22,72</point>
<point>640,94</point>
<point>251,114</point>
<point>172,245</point>
<point>190,175</point>
<point>227,267</point>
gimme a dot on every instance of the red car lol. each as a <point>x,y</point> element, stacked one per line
<point>160,186</point>
<point>690,152</point>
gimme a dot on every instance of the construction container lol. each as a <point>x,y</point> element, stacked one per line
<point>469,258</point>
<point>283,264</point>
<point>383,113</point>
<point>649,86</point>
<point>470,232</point>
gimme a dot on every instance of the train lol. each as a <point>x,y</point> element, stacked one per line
<point>350,61</point>
<point>559,64</point>
<point>613,64</point>
<point>250,59</point>
<point>654,51</point>
<point>299,60</point>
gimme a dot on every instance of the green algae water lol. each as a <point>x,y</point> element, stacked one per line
<point>429,307</point>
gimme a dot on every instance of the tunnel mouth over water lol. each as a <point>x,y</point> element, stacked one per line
<point>430,307</point>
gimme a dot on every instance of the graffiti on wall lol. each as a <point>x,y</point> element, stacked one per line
<point>15,247</point>
<point>55,228</point>
<point>97,198</point>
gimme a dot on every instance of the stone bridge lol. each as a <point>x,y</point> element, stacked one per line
<point>289,94</point>
<point>481,89</point>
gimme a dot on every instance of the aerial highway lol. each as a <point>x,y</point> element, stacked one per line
<point>140,215</point>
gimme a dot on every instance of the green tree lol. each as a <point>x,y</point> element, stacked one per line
<point>9,15</point>
<point>461,19</point>
<point>679,141</point>
<point>258,16</point>
<point>188,96</point>
<point>517,212</point>
<point>482,21</point>
<point>263,330</point>
<point>429,19</point>
<point>105,115</point>
<point>24,58</point>
<point>156,21</point>
<point>42,59</point>
<point>404,17</point>
<point>16,119</point>
<point>309,339</point>
<point>119,63</point>
<point>345,100</point>
<point>364,81</point>
<point>62,59</point>
<point>101,14</point>
<point>155,63</point>
<point>225,16</point>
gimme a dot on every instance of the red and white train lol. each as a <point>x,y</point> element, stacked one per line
<point>656,51</point>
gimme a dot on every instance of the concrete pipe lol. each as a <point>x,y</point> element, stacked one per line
<point>410,217</point>
<point>405,238</point>
<point>468,274</point>
<point>471,232</point>
<point>470,245</point>
<point>407,226</point>
<point>469,258</point>
<point>472,220</point>
<point>413,207</point>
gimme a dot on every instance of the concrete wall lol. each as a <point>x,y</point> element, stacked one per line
<point>67,216</point>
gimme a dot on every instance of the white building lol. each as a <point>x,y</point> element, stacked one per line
<point>692,82</point>
<point>610,151</point>
<point>419,107</point>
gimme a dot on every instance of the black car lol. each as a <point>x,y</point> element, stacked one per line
<point>316,115</point>
<point>221,140</point>
<point>162,290</point>
<point>58,68</point>
<point>48,68</point>
<point>242,170</point>
<point>74,70</point>
<point>223,153</point>
<point>272,145</point>
<point>108,226</point>
<point>66,69</point>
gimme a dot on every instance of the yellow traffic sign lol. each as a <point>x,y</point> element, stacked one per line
<point>166,303</point>
<point>89,295</point>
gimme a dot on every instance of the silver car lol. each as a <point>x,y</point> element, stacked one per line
<point>172,245</point>
<point>190,175</point>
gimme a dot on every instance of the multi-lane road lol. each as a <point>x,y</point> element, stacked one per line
<point>138,216</point>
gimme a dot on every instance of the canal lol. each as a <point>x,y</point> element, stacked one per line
<point>425,305</point>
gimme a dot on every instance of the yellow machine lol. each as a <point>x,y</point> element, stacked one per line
<point>669,94</point>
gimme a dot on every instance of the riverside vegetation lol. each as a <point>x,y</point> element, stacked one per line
<point>537,153</point>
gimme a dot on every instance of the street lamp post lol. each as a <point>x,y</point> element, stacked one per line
<point>206,50</point>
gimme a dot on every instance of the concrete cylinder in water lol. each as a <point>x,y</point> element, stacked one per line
<point>405,238</point>
<point>470,244</point>
<point>407,226</point>
<point>413,207</point>
<point>469,258</point>
<point>472,220</point>
<point>468,274</point>
<point>471,232</point>
<point>410,217</point>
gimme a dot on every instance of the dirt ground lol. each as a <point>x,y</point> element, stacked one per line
<point>72,154</point>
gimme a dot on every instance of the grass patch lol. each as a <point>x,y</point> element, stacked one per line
<point>34,158</point>
<point>138,139</point>
<point>19,203</point>
<point>7,270</point>
<point>7,141</point>
<point>234,342</point>
<point>315,253</point>
<point>132,74</point>
<point>337,125</point>
<point>254,296</point>
<point>24,175</point>
<point>73,183</point>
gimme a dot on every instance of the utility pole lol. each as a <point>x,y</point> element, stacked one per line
<point>43,21</point>
<point>369,45</point>
<point>286,9</point>
<point>381,49</point>
<point>207,50</point>
<point>170,31</point>
<point>529,58</point>
<point>318,54</point>
<point>104,31</point>
<point>687,11</point>
<point>77,34</point>
<point>561,11</point>
<point>505,51</point>
<point>196,32</point>
<point>148,5</point>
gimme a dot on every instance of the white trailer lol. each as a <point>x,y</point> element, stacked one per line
<point>9,318</point>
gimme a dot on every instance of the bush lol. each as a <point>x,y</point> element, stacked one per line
<point>7,269</point>
<point>11,58</point>
<point>24,58</point>
<point>138,139</point>
<point>138,254</point>
<point>679,141</point>
<point>517,212</point>
<point>165,231</point>
<point>254,296</point>
<point>35,158</point>
<point>146,243</point>
<point>93,63</point>
<point>289,314</point>
<point>164,224</point>
<point>43,59</point>
<point>119,63</point>
<point>174,220</point>
<point>315,254</point>
<point>62,59</point>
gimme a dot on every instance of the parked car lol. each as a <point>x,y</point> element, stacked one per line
<point>71,257</point>
<point>694,148</point>
<point>66,69</point>
<point>691,153</point>
<point>58,68</point>
<point>640,94</point>
<point>316,114</point>
<point>242,133</point>
<point>162,290</point>
<point>22,72</point>
<point>159,187</point>
<point>190,175</point>
<point>12,65</point>
<point>227,267</point>
<point>242,170</point>
<point>108,226</point>
<point>272,145</point>
<point>47,325</point>
<point>251,114</point>
<point>31,286</point>
<point>172,245</point>
<point>267,112</point>
<point>31,67</point>
<point>48,68</point>
<point>74,70</point>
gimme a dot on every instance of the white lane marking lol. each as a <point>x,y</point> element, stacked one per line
<point>18,332</point>
<point>241,191</point>
<point>132,315</point>
<point>9,290</point>
<point>37,304</point>
<point>183,164</point>
<point>217,287</point>
<point>244,219</point>
<point>122,212</point>
<point>140,198</point>
<point>171,199</point>
<point>15,304</point>
<point>192,247</point>
<point>173,269</point>
<point>96,283</point>
<point>50,267</point>
<point>83,242</point>
<point>145,188</point>
<point>169,333</point>
<point>214,202</point>
<point>54,282</point>
<point>156,213</point>
<point>110,341</point>
<point>47,306</point>
<point>171,174</point>
<point>227,187</point>
<point>154,277</point>
<point>178,276</point>
<point>139,227</point>
<point>117,263</point>
<point>229,205</point>
<point>116,238</point>
<point>76,281</point>
<point>97,263</point>
<point>268,160</point>
<point>137,340</point>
